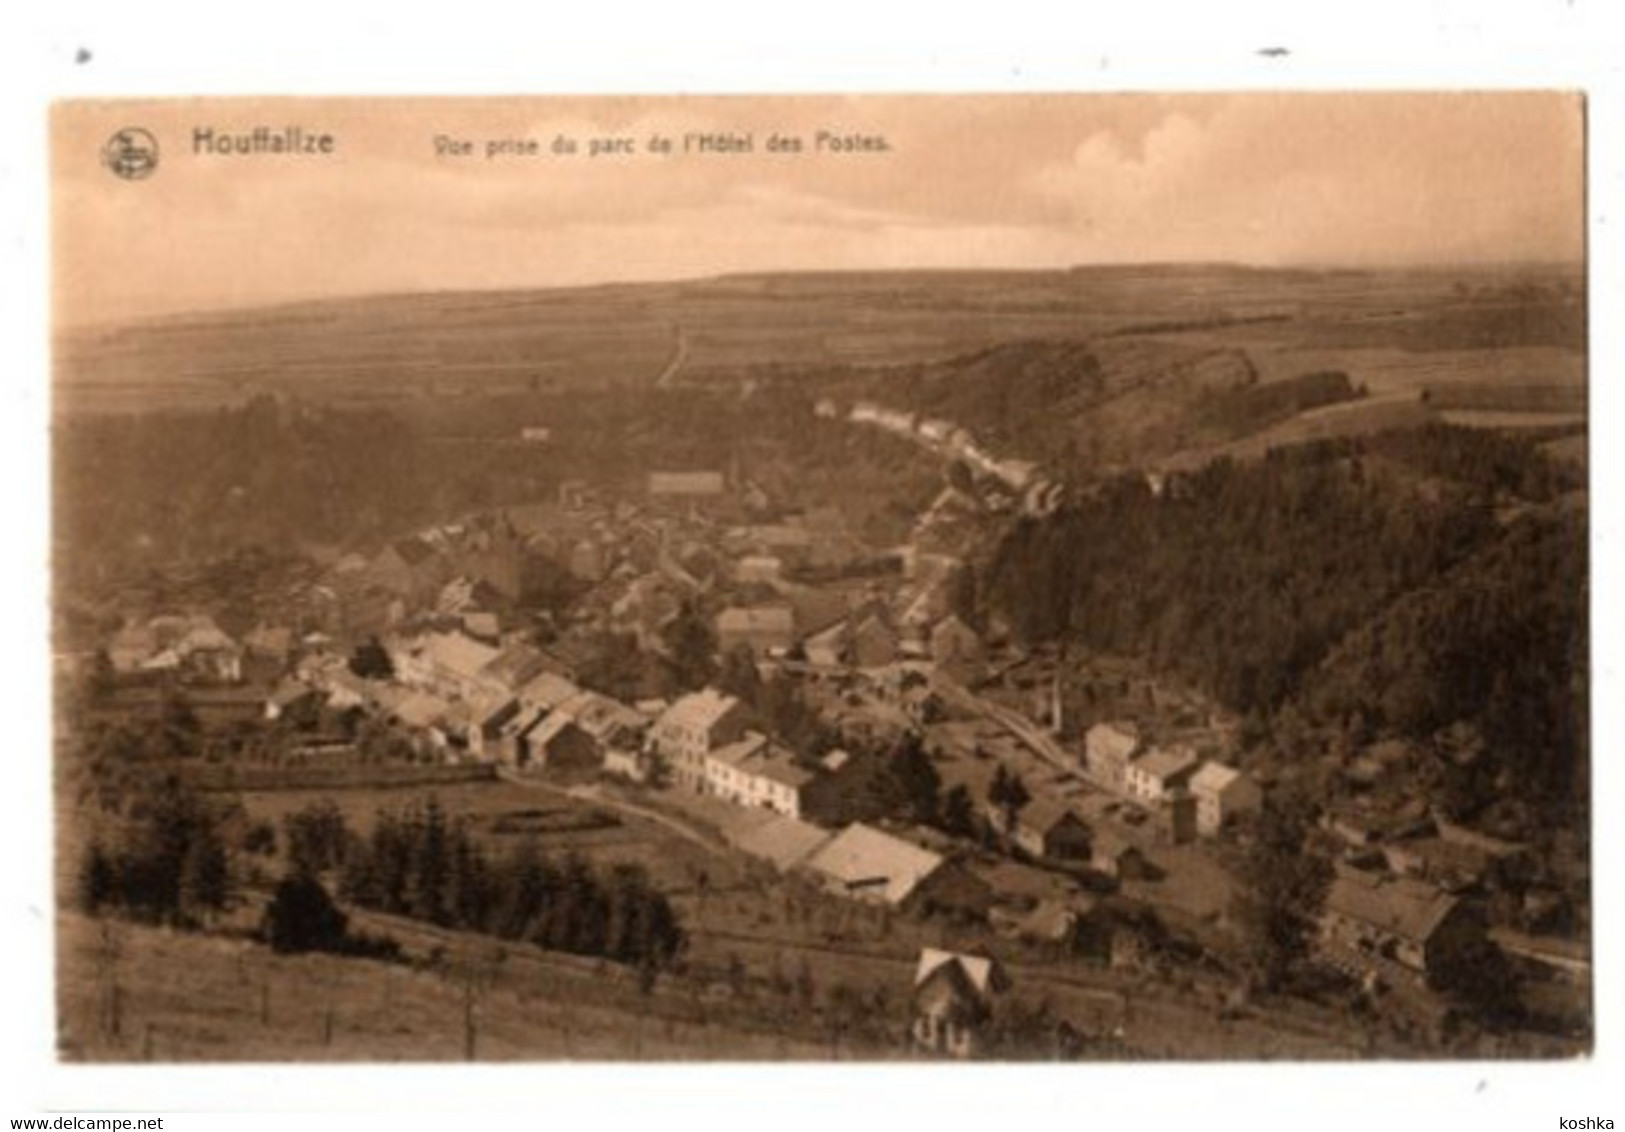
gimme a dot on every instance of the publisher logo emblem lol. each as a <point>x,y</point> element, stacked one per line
<point>132,153</point>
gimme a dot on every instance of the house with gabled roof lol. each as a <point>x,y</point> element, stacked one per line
<point>874,643</point>
<point>512,668</point>
<point>544,692</point>
<point>691,728</point>
<point>411,568</point>
<point>1222,794</point>
<point>1158,773</point>
<point>447,664</point>
<point>686,485</point>
<point>829,647</point>
<point>1382,917</point>
<point>615,725</point>
<point>1108,749</point>
<point>957,650</point>
<point>785,843</point>
<point>763,629</point>
<point>954,1000</point>
<point>1048,828</point>
<point>863,863</point>
<point>557,742</point>
<point>755,771</point>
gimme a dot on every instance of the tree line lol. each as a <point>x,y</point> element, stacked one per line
<point>421,863</point>
<point>171,867</point>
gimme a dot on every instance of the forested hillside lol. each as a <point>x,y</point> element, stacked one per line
<point>1413,580</point>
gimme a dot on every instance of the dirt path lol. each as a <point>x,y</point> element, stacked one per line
<point>600,797</point>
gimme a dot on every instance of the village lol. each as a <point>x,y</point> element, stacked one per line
<point>756,677</point>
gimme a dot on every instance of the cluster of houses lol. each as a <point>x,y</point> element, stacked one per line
<point>189,646</point>
<point>1194,796</point>
<point>1389,916</point>
<point>1023,480</point>
<point>1403,906</point>
<point>463,699</point>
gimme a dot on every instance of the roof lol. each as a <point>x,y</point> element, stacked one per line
<point>685,483</point>
<point>566,653</point>
<point>201,638</point>
<point>1166,762</point>
<point>779,534</point>
<point>1044,814</point>
<point>482,622</point>
<point>754,618</point>
<point>1116,738</point>
<point>550,727</point>
<point>490,709</point>
<point>700,710</point>
<point>133,637</point>
<point>601,716</point>
<point>758,755</point>
<point>514,666</point>
<point>420,709</point>
<point>463,656</point>
<point>290,692</point>
<point>546,689</point>
<point>866,861</point>
<point>1407,908</point>
<point>819,609</point>
<point>953,625</point>
<point>412,550</point>
<point>1214,778</point>
<point>872,623</point>
<point>1109,844</point>
<point>776,764</point>
<point>835,636</point>
<point>736,752</point>
<point>985,975</point>
<point>1049,920</point>
<point>783,842</point>
<point>270,638</point>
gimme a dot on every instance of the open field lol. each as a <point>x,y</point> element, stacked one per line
<point>438,345</point>
<point>187,997</point>
<point>1348,419</point>
<point>501,813</point>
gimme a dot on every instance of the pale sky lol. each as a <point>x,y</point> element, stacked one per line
<point>988,181</point>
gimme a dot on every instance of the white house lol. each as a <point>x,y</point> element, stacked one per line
<point>758,773</point>
<point>691,728</point>
<point>1151,777</point>
<point>1108,747</point>
<point>1221,793</point>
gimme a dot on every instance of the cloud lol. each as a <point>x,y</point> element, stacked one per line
<point>971,181</point>
<point>1336,179</point>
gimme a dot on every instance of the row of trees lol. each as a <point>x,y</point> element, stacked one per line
<point>421,863</point>
<point>171,866</point>
<point>912,789</point>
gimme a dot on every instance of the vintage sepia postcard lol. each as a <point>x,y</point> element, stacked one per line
<point>871,578</point>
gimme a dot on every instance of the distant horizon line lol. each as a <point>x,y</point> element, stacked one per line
<point>1443,267</point>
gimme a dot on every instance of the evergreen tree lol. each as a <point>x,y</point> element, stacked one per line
<point>303,917</point>
<point>1009,795</point>
<point>1285,886</point>
<point>430,869</point>
<point>914,780</point>
<point>98,880</point>
<point>205,876</point>
<point>959,812</point>
<point>371,661</point>
<point>691,644</point>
